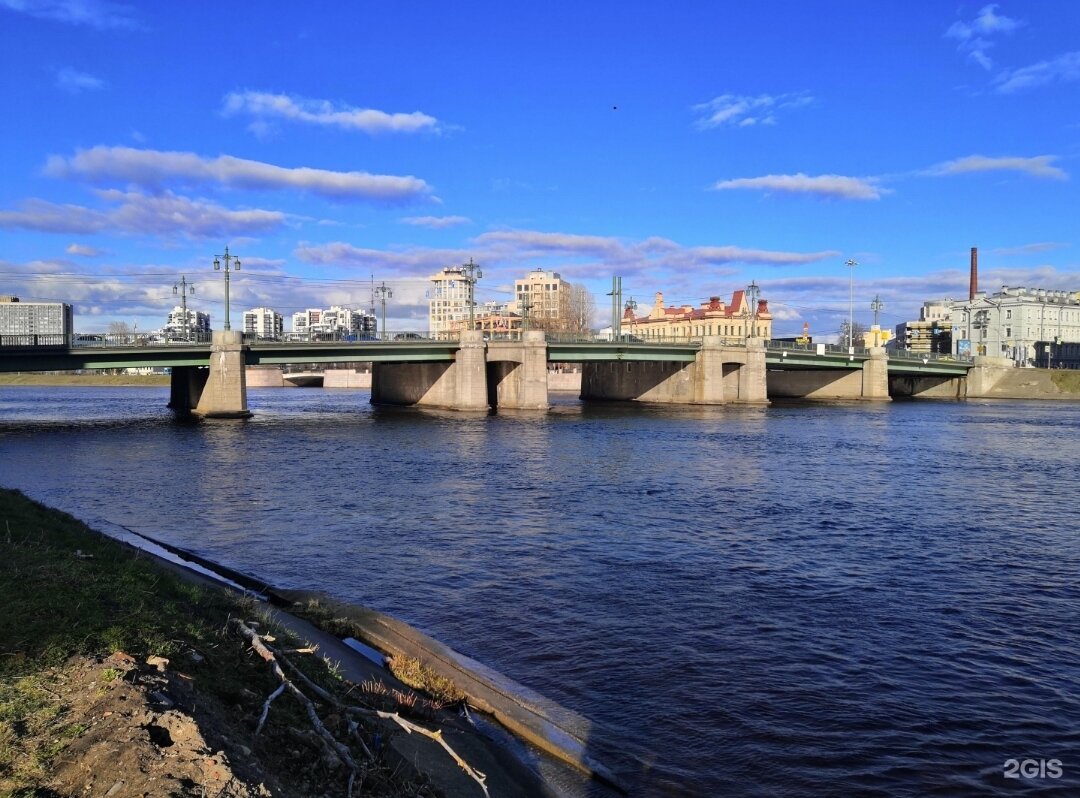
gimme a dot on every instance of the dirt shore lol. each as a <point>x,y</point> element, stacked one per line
<point>121,675</point>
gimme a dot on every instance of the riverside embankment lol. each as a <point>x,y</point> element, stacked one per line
<point>109,649</point>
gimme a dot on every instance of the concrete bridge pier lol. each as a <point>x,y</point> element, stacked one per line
<point>517,375</point>
<point>875,376</point>
<point>743,371</point>
<point>457,385</point>
<point>224,394</point>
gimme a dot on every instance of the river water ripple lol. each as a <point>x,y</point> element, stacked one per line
<point>787,601</point>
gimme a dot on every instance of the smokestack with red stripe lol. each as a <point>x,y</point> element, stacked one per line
<point>974,286</point>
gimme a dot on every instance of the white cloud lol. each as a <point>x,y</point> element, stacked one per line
<point>92,13</point>
<point>135,213</point>
<point>264,105</point>
<point>1030,249</point>
<point>738,110</point>
<point>505,254</point>
<point>759,256</point>
<point>1037,166</point>
<point>973,37</point>
<point>538,242</point>
<point>1064,69</point>
<point>832,186</point>
<point>84,251</point>
<point>155,169</point>
<point>75,82</point>
<point>437,222</point>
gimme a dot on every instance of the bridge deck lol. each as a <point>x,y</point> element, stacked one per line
<point>63,357</point>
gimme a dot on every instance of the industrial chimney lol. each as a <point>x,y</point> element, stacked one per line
<point>974,285</point>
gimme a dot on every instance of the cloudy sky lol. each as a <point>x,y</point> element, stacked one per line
<point>688,147</point>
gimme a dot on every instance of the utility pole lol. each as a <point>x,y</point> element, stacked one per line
<point>217,267</point>
<point>473,273</point>
<point>616,304</point>
<point>182,288</point>
<point>877,306</point>
<point>383,290</point>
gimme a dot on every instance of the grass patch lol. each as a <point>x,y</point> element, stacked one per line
<point>1068,381</point>
<point>411,671</point>
<point>72,593</point>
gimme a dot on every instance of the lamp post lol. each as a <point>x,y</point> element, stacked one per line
<point>383,290</point>
<point>631,305</point>
<point>525,305</point>
<point>472,274</point>
<point>851,264</point>
<point>183,289</point>
<point>217,267</point>
<point>616,302</point>
<point>752,291</point>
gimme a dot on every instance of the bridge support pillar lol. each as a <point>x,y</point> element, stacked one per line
<point>709,372</point>
<point>225,392</point>
<point>751,376</point>
<point>458,385</point>
<point>470,372</point>
<point>521,385</point>
<point>875,376</point>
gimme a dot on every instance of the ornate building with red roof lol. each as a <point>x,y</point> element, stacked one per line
<point>736,321</point>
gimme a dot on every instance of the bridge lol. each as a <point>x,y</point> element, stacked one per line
<point>471,372</point>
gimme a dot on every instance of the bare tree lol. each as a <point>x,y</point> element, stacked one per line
<point>119,328</point>
<point>858,329</point>
<point>582,310</point>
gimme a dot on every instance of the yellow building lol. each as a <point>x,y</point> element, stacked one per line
<point>735,321</point>
<point>545,298</point>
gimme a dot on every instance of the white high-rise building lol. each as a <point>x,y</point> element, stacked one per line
<point>197,323</point>
<point>334,323</point>
<point>264,323</point>
<point>35,318</point>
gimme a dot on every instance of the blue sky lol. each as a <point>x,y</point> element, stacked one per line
<point>689,148</point>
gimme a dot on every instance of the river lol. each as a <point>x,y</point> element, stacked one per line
<point>876,599</point>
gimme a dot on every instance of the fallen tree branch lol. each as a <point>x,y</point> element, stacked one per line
<point>266,708</point>
<point>338,748</point>
<point>275,658</point>
<point>436,735</point>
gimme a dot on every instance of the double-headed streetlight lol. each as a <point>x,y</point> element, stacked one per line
<point>851,264</point>
<point>472,274</point>
<point>384,291</point>
<point>183,289</point>
<point>217,267</point>
<point>753,291</point>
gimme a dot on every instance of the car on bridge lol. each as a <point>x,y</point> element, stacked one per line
<point>408,336</point>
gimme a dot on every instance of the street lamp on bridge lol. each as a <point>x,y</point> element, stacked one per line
<point>384,291</point>
<point>472,274</point>
<point>183,289</point>
<point>217,267</point>
<point>851,264</point>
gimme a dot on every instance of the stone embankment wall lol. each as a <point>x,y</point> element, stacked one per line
<point>1035,384</point>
